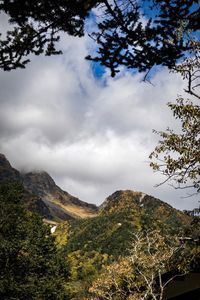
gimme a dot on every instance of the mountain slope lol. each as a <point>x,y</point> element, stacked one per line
<point>42,185</point>
<point>123,213</point>
<point>146,206</point>
<point>7,172</point>
<point>32,202</point>
<point>43,196</point>
<point>91,244</point>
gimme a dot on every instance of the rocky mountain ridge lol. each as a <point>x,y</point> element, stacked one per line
<point>7,172</point>
<point>43,196</point>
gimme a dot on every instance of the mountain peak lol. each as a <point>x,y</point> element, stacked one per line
<point>142,206</point>
<point>7,172</point>
<point>42,195</point>
<point>2,156</point>
<point>39,182</point>
<point>4,162</point>
<point>123,198</point>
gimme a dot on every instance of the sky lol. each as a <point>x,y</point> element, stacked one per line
<point>92,134</point>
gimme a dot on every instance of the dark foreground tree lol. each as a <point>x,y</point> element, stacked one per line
<point>126,35</point>
<point>36,27</point>
<point>30,267</point>
<point>142,34</point>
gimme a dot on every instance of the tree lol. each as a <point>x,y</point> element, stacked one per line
<point>36,27</point>
<point>127,36</point>
<point>139,276</point>
<point>84,266</point>
<point>177,154</point>
<point>30,266</point>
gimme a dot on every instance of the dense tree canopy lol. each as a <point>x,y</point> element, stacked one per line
<point>140,275</point>
<point>135,34</point>
<point>30,266</point>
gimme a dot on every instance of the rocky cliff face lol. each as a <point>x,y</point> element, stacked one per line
<point>39,183</point>
<point>32,202</point>
<point>42,185</point>
<point>7,172</point>
<point>43,196</point>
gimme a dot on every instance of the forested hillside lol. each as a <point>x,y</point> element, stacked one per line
<point>92,244</point>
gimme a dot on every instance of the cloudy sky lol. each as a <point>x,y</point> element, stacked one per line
<point>92,135</point>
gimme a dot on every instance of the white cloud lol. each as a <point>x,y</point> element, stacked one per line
<point>93,137</point>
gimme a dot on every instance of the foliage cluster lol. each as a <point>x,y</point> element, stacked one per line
<point>37,26</point>
<point>140,274</point>
<point>126,36</point>
<point>177,154</point>
<point>30,265</point>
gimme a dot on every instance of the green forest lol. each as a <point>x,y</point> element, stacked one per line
<point>95,258</point>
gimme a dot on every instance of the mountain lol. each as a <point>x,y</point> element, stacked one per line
<point>42,185</point>
<point>145,206</point>
<point>104,241</point>
<point>32,202</point>
<point>122,214</point>
<point>43,196</point>
<point>7,172</point>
